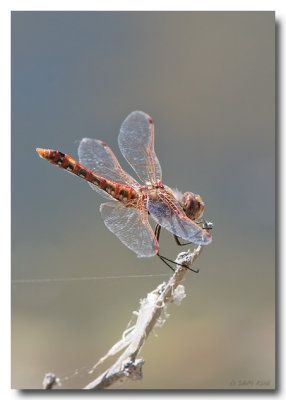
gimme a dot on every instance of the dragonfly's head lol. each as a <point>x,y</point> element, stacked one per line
<point>192,205</point>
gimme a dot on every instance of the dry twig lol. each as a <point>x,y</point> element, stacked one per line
<point>50,380</point>
<point>149,316</point>
<point>133,339</point>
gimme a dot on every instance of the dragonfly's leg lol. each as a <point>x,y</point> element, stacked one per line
<point>165,262</point>
<point>207,225</point>
<point>157,231</point>
<point>165,259</point>
<point>179,243</point>
<point>157,234</point>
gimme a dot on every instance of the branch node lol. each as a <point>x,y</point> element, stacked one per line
<point>50,380</point>
<point>133,369</point>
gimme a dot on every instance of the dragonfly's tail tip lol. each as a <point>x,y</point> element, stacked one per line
<point>40,151</point>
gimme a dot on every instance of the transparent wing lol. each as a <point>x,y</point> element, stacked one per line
<point>136,142</point>
<point>131,226</point>
<point>99,158</point>
<point>169,214</point>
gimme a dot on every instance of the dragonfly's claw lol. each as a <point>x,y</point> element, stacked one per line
<point>208,225</point>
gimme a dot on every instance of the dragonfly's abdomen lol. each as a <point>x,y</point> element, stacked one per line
<point>61,160</point>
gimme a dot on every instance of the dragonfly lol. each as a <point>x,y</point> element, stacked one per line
<point>130,202</point>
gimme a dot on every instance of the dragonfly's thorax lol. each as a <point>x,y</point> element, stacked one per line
<point>154,191</point>
<point>191,203</point>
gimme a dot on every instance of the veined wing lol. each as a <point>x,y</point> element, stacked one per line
<point>136,142</point>
<point>170,215</point>
<point>131,226</point>
<point>99,158</point>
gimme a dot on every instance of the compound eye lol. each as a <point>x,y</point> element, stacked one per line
<point>199,199</point>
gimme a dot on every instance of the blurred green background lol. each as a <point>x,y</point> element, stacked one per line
<point>208,81</point>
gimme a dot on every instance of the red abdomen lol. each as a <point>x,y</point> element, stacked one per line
<point>61,160</point>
